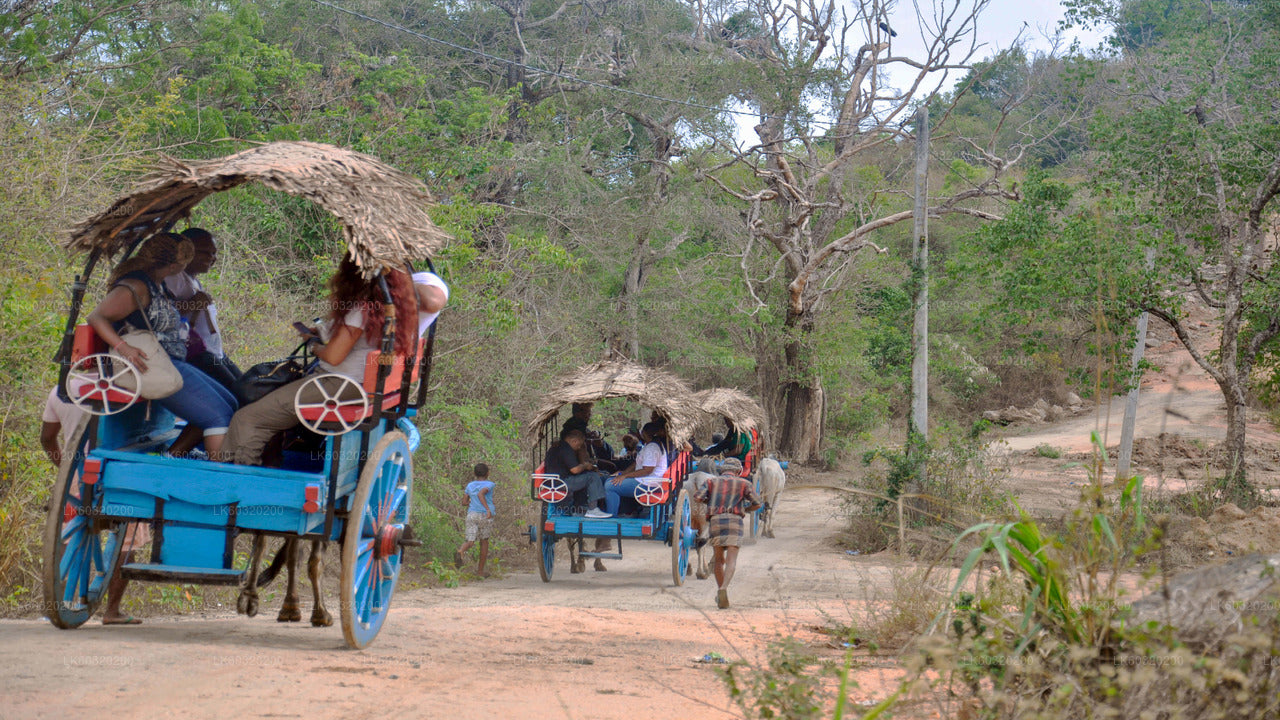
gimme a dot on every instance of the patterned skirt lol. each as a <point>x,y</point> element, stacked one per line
<point>725,530</point>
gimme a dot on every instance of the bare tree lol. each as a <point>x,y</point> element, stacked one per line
<point>805,204</point>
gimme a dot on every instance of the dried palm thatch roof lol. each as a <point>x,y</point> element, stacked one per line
<point>383,211</point>
<point>655,389</point>
<point>733,404</point>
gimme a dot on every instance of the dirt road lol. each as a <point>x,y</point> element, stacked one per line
<point>618,644</point>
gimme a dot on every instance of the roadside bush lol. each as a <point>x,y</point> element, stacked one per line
<point>1068,643</point>
<point>962,485</point>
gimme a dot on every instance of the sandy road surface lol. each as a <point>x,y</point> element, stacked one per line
<point>618,644</point>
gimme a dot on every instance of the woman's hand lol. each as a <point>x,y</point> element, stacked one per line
<point>132,354</point>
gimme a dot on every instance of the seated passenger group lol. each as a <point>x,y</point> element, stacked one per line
<point>157,289</point>
<point>585,462</point>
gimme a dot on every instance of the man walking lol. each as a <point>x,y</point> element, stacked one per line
<point>728,497</point>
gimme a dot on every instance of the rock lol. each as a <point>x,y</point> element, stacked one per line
<point>991,416</point>
<point>1209,603</point>
<point>1041,405</point>
<point>1227,513</point>
<point>1055,413</point>
<point>1152,342</point>
<point>1073,399</point>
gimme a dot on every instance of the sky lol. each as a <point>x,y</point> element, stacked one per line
<point>998,27</point>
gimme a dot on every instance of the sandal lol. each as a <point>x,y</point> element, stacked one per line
<point>126,620</point>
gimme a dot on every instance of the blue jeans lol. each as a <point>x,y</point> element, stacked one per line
<point>591,482</point>
<point>201,401</point>
<point>613,494</point>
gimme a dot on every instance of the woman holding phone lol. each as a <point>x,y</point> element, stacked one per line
<point>342,345</point>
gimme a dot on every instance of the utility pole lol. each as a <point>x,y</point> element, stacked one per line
<point>1131,403</point>
<point>919,427</point>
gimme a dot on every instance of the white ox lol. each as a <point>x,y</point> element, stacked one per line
<point>772,480</point>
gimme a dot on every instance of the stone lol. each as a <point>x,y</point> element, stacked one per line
<point>1209,603</point>
<point>1073,399</point>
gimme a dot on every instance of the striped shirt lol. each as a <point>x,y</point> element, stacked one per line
<point>729,494</point>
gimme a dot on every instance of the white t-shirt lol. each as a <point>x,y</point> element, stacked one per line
<point>353,365</point>
<point>425,318</point>
<point>184,286</point>
<point>653,455</point>
<point>56,410</point>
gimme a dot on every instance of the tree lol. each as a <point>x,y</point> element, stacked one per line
<point>819,192</point>
<point>1191,135</point>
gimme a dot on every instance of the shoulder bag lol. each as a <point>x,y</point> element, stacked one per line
<point>161,378</point>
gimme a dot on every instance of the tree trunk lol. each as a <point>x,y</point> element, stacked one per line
<point>801,399</point>
<point>1237,422</point>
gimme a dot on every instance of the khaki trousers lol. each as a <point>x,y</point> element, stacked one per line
<point>253,425</point>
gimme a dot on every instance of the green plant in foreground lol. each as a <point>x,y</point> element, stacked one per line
<point>1025,551</point>
<point>1046,450</point>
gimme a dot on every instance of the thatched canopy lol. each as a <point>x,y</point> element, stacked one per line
<point>733,404</point>
<point>655,389</point>
<point>383,211</point>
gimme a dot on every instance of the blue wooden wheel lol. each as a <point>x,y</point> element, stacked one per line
<point>755,516</point>
<point>371,550</point>
<point>681,537</point>
<point>81,550</point>
<point>546,548</point>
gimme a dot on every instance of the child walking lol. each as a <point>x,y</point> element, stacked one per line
<point>480,512</point>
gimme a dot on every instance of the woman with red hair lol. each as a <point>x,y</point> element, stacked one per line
<point>356,318</point>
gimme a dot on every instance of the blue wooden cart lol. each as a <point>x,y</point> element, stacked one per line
<point>354,487</point>
<point>662,513</point>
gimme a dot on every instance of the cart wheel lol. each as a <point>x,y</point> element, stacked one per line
<point>315,415</point>
<point>80,550</point>
<point>755,516</point>
<point>547,551</point>
<point>681,537</point>
<point>89,379</point>
<point>371,540</point>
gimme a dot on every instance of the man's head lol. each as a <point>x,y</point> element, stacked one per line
<point>731,466</point>
<point>581,411</point>
<point>575,439</point>
<point>481,470</point>
<point>206,250</point>
<point>594,437</point>
<point>630,442</point>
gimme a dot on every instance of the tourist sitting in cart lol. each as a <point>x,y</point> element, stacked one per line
<point>735,444</point>
<point>631,448</point>
<point>138,300</point>
<point>563,459</point>
<point>433,294</point>
<point>204,346</point>
<point>650,466</point>
<point>342,347</point>
<point>601,452</point>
